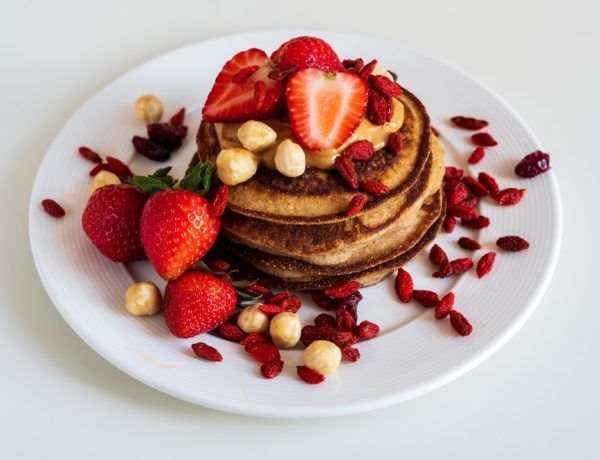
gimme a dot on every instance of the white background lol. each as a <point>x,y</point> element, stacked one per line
<point>536,398</point>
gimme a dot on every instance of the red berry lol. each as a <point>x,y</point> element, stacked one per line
<point>207,352</point>
<point>444,306</point>
<point>426,298</point>
<point>356,204</point>
<point>533,164</point>
<point>309,375</point>
<point>469,123</point>
<point>404,285</point>
<point>512,243</point>
<point>53,208</point>
<point>271,369</point>
<point>477,155</point>
<point>484,266</point>
<point>454,267</point>
<point>343,290</point>
<point>460,323</point>
<point>303,52</point>
<point>484,139</point>
<point>437,255</point>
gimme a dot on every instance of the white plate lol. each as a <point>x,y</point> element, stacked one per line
<point>414,353</point>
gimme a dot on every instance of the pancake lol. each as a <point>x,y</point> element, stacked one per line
<point>321,196</point>
<point>377,251</point>
<point>340,242</point>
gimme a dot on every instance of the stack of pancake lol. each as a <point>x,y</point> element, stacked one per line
<point>295,233</point>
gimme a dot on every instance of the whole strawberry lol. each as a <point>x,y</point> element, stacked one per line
<point>197,302</point>
<point>111,220</point>
<point>177,230</point>
<point>303,52</point>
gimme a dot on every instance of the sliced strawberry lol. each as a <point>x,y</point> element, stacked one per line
<point>232,97</point>
<point>325,109</point>
<point>303,52</point>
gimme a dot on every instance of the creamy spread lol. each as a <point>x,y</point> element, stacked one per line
<point>378,135</point>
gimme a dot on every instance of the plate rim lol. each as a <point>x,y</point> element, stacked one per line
<point>441,379</point>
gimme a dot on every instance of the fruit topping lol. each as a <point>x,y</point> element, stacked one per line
<point>53,208</point>
<point>303,52</point>
<point>469,123</point>
<point>533,164</point>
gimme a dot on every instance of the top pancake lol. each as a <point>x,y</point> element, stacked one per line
<point>322,196</point>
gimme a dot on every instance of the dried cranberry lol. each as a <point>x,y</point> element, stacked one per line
<point>351,354</point>
<point>367,330</point>
<point>533,164</point>
<point>322,300</point>
<point>150,149</point>
<point>325,320</point>
<point>167,135</point>
<point>271,369</point>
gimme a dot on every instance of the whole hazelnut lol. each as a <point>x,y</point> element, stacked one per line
<point>322,356</point>
<point>143,298</point>
<point>148,109</point>
<point>285,329</point>
<point>251,319</point>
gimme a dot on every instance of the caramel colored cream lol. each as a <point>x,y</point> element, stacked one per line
<point>378,135</point>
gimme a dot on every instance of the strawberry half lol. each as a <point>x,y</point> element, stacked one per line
<point>325,108</point>
<point>243,91</point>
<point>303,52</point>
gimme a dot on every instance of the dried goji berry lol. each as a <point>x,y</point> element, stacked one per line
<point>367,330</point>
<point>449,223</point>
<point>435,132</point>
<point>377,108</point>
<point>437,255</point>
<point>218,266</point>
<point>484,266</point>
<point>395,143</point>
<point>444,306</point>
<point>90,155</point>
<point>351,354</point>
<point>475,186</point>
<point>404,285</point>
<point>346,169</point>
<point>462,212</point>
<point>343,290</point>
<point>242,75</point>
<point>470,123</point>
<point>344,320</point>
<point>460,323</point>
<point>231,332</point>
<point>533,164</point>
<point>322,300</point>
<point>271,369</point>
<point>343,338</point>
<point>512,243</point>
<point>270,309</point>
<point>477,155</point>
<point>385,85</point>
<point>260,93</point>
<point>280,74</point>
<point>488,182</point>
<point>356,204</point>
<point>177,119</point>
<point>275,299</point>
<point>264,352</point>
<point>509,196</point>
<point>454,267</point>
<point>325,320</point>
<point>452,172</point>
<point>119,168</point>
<point>256,337</point>
<point>99,167</point>
<point>470,202</point>
<point>456,193</point>
<point>53,208</point>
<point>426,298</point>
<point>207,352</point>
<point>468,243</point>
<point>291,303</point>
<point>352,63</point>
<point>373,187</point>
<point>478,222</point>
<point>360,150</point>
<point>258,290</point>
<point>484,139</point>
<point>368,68</point>
<point>220,201</point>
<point>309,375</point>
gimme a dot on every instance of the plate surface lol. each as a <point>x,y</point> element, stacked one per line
<point>413,354</point>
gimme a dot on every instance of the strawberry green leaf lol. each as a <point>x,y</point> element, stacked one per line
<point>149,184</point>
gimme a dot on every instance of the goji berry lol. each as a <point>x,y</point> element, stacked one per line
<point>456,193</point>
<point>512,243</point>
<point>231,332</point>
<point>385,85</point>
<point>488,182</point>
<point>449,223</point>
<point>468,243</point>
<point>256,337</point>
<point>533,164</point>
<point>359,150</point>
<point>270,309</point>
<point>207,352</point>
<point>119,168</point>
<point>377,108</point>
<point>218,266</point>
<point>484,266</point>
<point>368,68</point>
<point>395,142</point>
<point>323,301</point>
<point>484,139</point>
<point>291,303</point>
<point>426,298</point>
<point>509,196</point>
<point>89,155</point>
<point>177,119</point>
<point>435,132</point>
<point>475,186</point>
<point>452,172</point>
<point>462,212</point>
<point>344,320</point>
<point>373,187</point>
<point>469,123</point>
<point>444,306</point>
<point>53,208</point>
<point>271,369</point>
<point>356,204</point>
<point>220,201</point>
<point>460,323</point>
<point>351,354</point>
<point>346,169</point>
<point>343,290</point>
<point>437,255</point>
<point>277,298</point>
<point>470,202</point>
<point>258,290</point>
<point>404,285</point>
<point>309,375</point>
<point>477,155</point>
<point>454,267</point>
<point>264,352</point>
<point>478,222</point>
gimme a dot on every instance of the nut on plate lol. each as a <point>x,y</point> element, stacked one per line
<point>103,178</point>
<point>143,299</point>
<point>290,159</point>
<point>236,165</point>
<point>256,136</point>
<point>148,109</point>
<point>251,319</point>
<point>322,356</point>
<point>285,329</point>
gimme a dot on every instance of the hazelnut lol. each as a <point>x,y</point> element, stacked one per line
<point>103,178</point>
<point>143,298</point>
<point>285,329</point>
<point>290,159</point>
<point>322,356</point>
<point>235,166</point>
<point>251,319</point>
<point>148,109</point>
<point>256,136</point>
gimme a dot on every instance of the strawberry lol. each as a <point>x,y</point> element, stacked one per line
<point>197,302</point>
<point>325,109</point>
<point>111,220</point>
<point>243,91</point>
<point>303,52</point>
<point>177,230</point>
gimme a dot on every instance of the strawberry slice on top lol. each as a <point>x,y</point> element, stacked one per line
<point>243,91</point>
<point>325,108</point>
